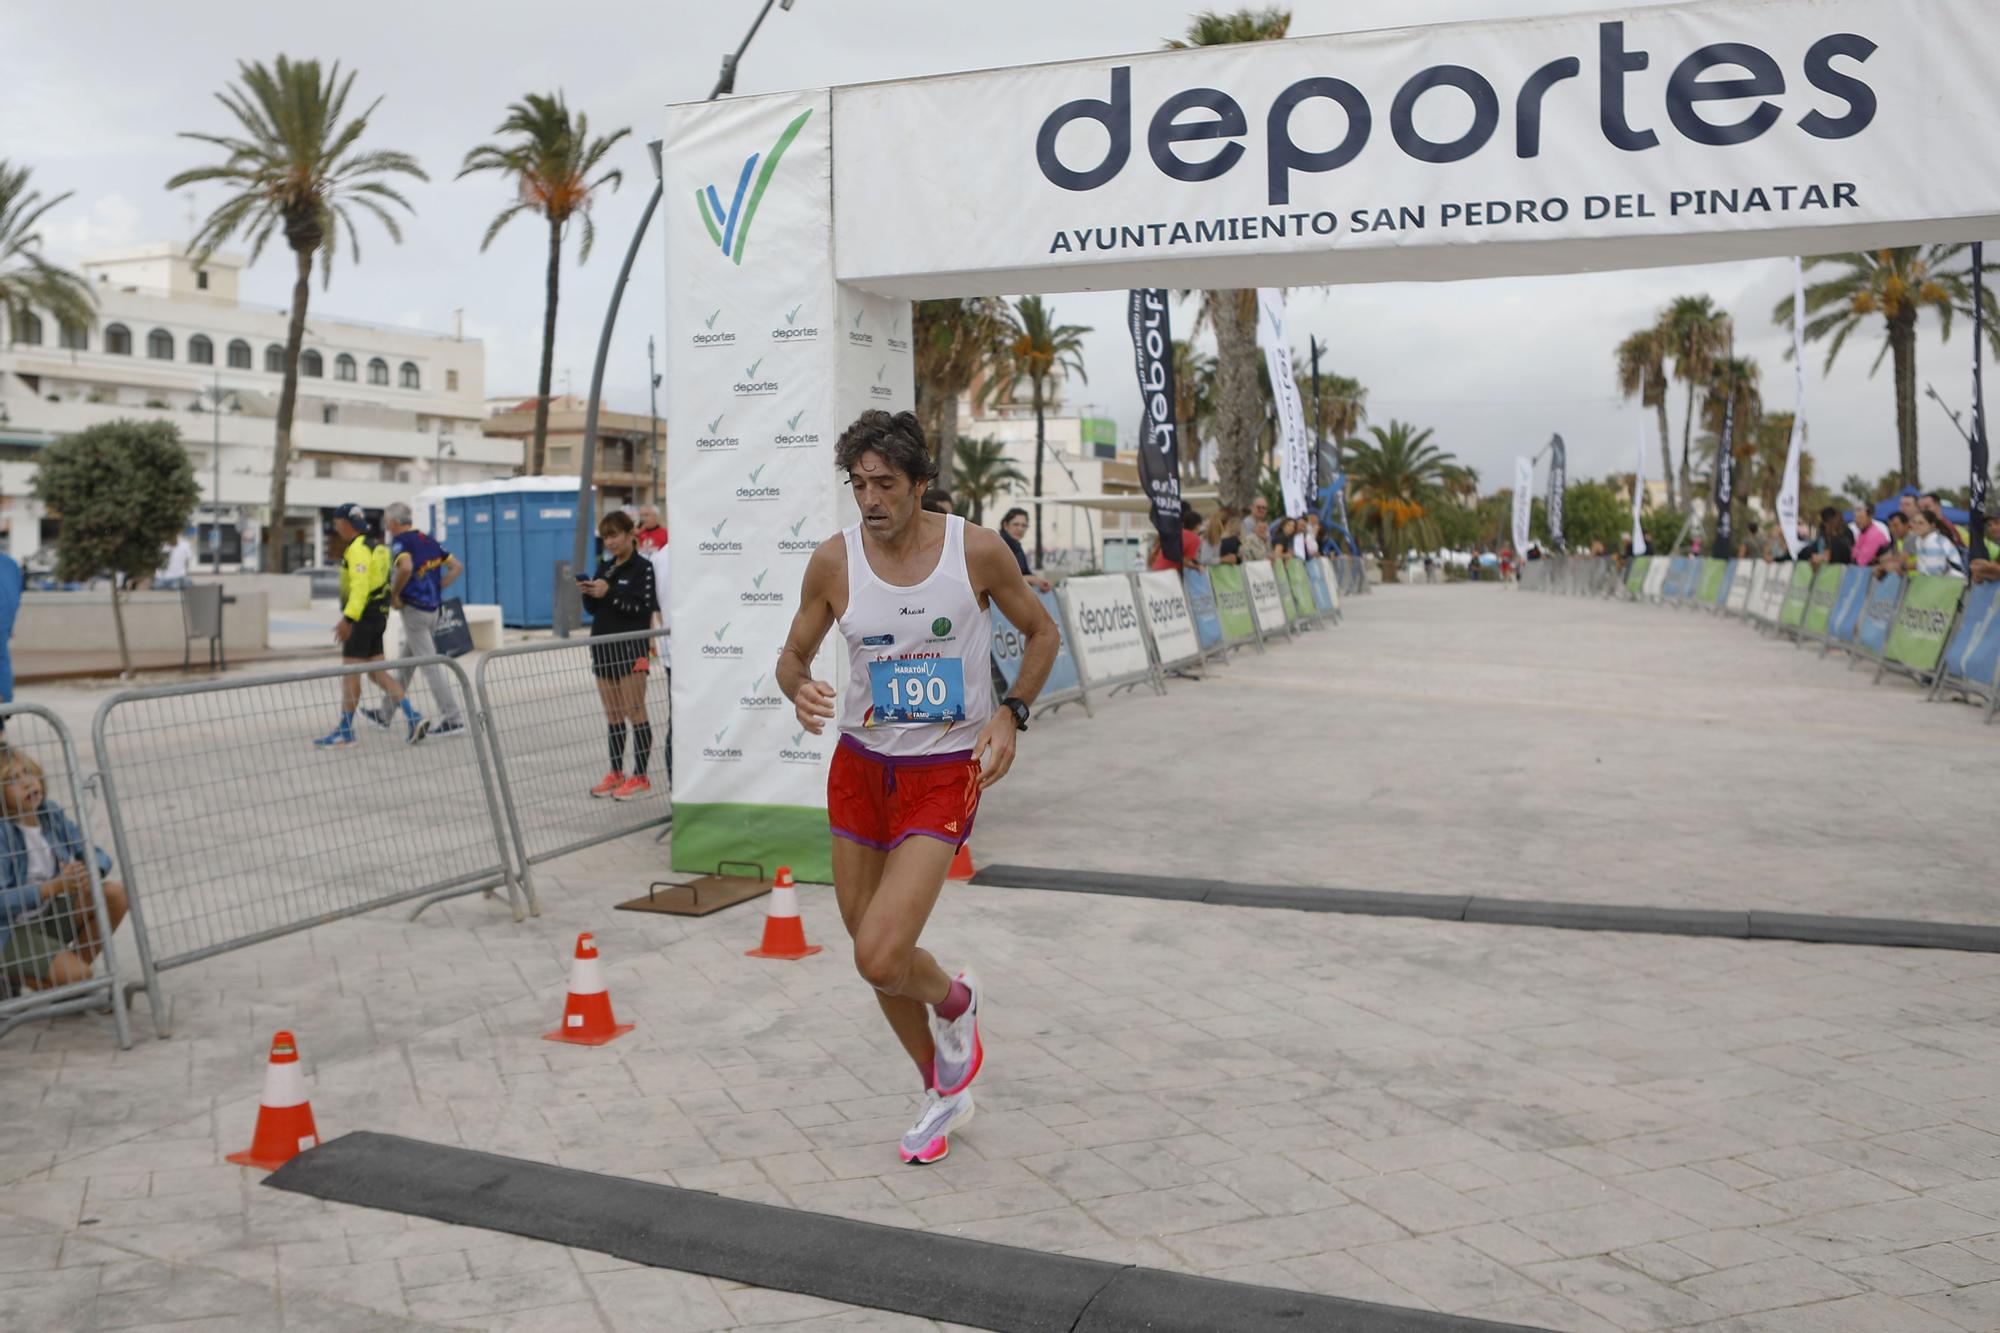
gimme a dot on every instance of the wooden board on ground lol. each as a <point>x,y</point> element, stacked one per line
<point>698,897</point>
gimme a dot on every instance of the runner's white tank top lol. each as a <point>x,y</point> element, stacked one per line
<point>940,617</point>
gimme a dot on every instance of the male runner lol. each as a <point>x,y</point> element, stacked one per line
<point>920,736</point>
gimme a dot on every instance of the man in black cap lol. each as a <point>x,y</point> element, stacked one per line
<point>364,618</point>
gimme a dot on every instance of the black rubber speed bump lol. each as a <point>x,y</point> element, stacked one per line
<point>920,1273</point>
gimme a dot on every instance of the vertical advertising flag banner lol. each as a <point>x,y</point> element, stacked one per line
<point>1723,493</point>
<point>1159,439</point>
<point>1976,533</point>
<point>1788,489</point>
<point>1295,462</point>
<point>1524,501</point>
<point>1639,494</point>
<point>1558,481</point>
<point>767,360</point>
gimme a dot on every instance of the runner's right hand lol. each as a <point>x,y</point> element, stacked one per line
<point>813,705</point>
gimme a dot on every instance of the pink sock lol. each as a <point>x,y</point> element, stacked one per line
<point>929,1071</point>
<point>952,1005</point>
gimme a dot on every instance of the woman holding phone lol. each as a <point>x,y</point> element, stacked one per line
<point>621,599</point>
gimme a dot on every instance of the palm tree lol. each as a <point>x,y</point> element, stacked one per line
<point>26,279</point>
<point>295,170</point>
<point>1397,476</point>
<point>1896,284</point>
<point>1771,445</point>
<point>1695,333</point>
<point>1033,347</point>
<point>984,474</point>
<point>1194,401</point>
<point>952,342</point>
<point>549,163</point>
<point>1642,374</point>
<point>1238,415</point>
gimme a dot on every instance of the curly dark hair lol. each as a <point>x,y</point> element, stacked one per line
<point>899,439</point>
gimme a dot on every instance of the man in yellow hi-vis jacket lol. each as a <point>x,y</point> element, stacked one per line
<point>364,618</point>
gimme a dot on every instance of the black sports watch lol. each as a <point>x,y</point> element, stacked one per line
<point>1018,709</point>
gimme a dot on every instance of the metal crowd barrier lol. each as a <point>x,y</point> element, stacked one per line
<point>57,955</point>
<point>548,707</point>
<point>232,827</point>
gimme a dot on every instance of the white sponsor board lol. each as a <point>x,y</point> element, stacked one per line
<point>1332,577</point>
<point>1656,577</point>
<point>1668,134</point>
<point>1264,596</point>
<point>1737,599</point>
<point>767,361</point>
<point>1164,604</point>
<point>1104,621</point>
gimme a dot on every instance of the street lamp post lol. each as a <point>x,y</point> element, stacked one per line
<point>725,83</point>
<point>214,396</point>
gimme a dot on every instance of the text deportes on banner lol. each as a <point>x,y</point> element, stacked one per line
<point>1159,439</point>
<point>1169,619</point>
<point>1108,644</point>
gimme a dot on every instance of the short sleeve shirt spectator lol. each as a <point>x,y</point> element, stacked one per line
<point>427,560</point>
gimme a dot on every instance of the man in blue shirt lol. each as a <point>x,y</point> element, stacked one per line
<point>422,570</point>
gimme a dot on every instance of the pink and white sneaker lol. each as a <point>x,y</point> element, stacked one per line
<point>959,1053</point>
<point>929,1139</point>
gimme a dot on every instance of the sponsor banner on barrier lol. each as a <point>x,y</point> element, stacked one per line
<point>1109,643</point>
<point>1740,584</point>
<point>1657,569</point>
<point>1232,603</point>
<point>1917,638</point>
<point>1878,613</point>
<point>1793,612</point>
<point>1201,605</point>
<point>1009,642</point>
<point>1287,595</point>
<point>1819,602</point>
<point>1847,603</point>
<point>1974,652</point>
<point>1709,591</point>
<point>1264,596</point>
<point>1777,586</point>
<point>1301,585</point>
<point>1635,578</point>
<point>1321,584</point>
<point>1168,617</point>
<point>1653,135</point>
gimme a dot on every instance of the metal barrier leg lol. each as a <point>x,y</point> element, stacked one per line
<point>493,774</point>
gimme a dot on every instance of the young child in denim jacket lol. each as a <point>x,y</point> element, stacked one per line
<point>49,932</point>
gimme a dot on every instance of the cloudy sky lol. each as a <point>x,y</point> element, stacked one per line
<point>94,93</point>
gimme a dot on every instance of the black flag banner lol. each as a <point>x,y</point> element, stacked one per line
<point>1159,447</point>
<point>1558,478</point>
<point>1976,537</point>
<point>1725,479</point>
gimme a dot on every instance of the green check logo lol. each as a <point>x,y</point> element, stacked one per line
<point>716,424</point>
<point>756,471</point>
<point>750,373</point>
<point>758,683</point>
<point>716,531</point>
<point>792,315</point>
<point>729,227</point>
<point>859,315</point>
<point>710,321</point>
<point>758,582</point>
<point>883,371</point>
<point>796,526</point>
<point>797,737</point>
<point>720,734</point>
<point>724,630</point>
<point>792,422</point>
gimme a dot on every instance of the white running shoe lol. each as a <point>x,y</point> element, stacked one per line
<point>959,1053</point>
<point>928,1140</point>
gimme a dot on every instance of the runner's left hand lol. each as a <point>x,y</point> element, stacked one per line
<point>342,630</point>
<point>997,739</point>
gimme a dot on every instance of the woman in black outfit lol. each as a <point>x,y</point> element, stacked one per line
<point>621,599</point>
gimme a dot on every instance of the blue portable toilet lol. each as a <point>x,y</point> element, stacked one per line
<point>480,584</point>
<point>548,532</point>
<point>450,531</point>
<point>507,509</point>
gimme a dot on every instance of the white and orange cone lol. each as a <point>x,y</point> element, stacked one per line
<point>284,1116</point>
<point>784,933</point>
<point>587,1016</point>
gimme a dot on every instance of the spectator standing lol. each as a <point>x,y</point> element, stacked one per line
<point>664,645</point>
<point>364,620</point>
<point>937,500</point>
<point>1312,547</point>
<point>180,559</point>
<point>1253,539</point>
<point>1897,557</point>
<point>1870,537</point>
<point>1987,570</point>
<point>1013,530</point>
<point>1934,552</point>
<point>1190,552</point>
<point>651,534</point>
<point>621,599</point>
<point>1833,545</point>
<point>1928,503</point>
<point>12,584</point>
<point>422,570</point>
<point>48,924</point>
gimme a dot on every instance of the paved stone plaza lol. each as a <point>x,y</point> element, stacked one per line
<point>1577,1131</point>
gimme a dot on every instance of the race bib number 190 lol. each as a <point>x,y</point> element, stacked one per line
<point>917,690</point>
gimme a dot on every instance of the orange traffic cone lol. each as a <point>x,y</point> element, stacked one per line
<point>961,865</point>
<point>784,933</point>
<point>587,1016</point>
<point>284,1117</point>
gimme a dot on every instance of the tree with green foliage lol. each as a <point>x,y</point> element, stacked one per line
<point>952,343</point>
<point>1194,403</point>
<point>984,474</point>
<point>1697,335</point>
<point>1033,347</point>
<point>549,162</point>
<point>1642,374</point>
<point>27,280</point>
<point>124,491</point>
<point>1399,478</point>
<point>1595,511</point>
<point>295,171</point>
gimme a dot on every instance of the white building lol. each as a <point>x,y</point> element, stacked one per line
<point>1081,458</point>
<point>382,412</point>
